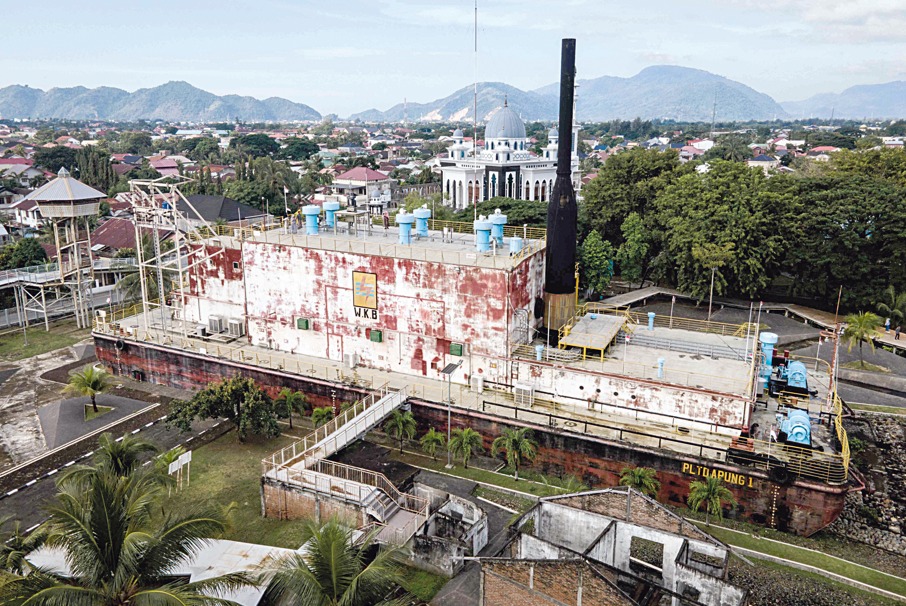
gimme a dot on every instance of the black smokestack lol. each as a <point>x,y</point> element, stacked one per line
<point>560,264</point>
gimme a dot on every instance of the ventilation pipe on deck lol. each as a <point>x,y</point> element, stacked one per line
<point>330,209</point>
<point>482,234</point>
<point>498,220</point>
<point>768,340</point>
<point>405,221</point>
<point>421,221</point>
<point>516,244</point>
<point>651,315</point>
<point>660,368</point>
<point>311,213</point>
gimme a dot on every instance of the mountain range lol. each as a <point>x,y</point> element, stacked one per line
<point>657,92</point>
<point>172,102</point>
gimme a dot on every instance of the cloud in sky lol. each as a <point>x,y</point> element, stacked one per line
<point>343,58</point>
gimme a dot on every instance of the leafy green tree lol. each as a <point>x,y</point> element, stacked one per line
<point>518,212</point>
<point>713,494</point>
<point>238,399</point>
<point>298,149</point>
<point>55,158</point>
<point>464,443</point>
<point>519,446</point>
<point>24,253</point>
<point>335,570</point>
<point>89,382</point>
<point>137,143</point>
<point>321,415</point>
<point>256,145</point>
<point>95,168</point>
<point>433,441</point>
<point>643,479</point>
<point>400,426</point>
<point>731,148</point>
<point>861,327</point>
<point>893,305</point>
<point>628,182</point>
<point>633,252</point>
<point>290,401</point>
<point>120,547</point>
<point>731,217</point>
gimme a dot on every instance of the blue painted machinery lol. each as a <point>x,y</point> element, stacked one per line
<point>797,427</point>
<point>790,378</point>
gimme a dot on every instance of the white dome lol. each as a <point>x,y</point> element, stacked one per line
<point>553,134</point>
<point>457,134</point>
<point>505,124</point>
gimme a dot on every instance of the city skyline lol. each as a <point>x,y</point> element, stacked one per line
<point>375,54</point>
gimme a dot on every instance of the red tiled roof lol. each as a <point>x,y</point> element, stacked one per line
<point>361,173</point>
<point>115,233</point>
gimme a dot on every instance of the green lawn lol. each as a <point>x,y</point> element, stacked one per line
<point>804,576</point>
<point>856,365</point>
<point>891,410</point>
<point>62,334</point>
<point>90,414</point>
<point>506,499</point>
<point>225,471</point>
<point>804,556</point>
<point>423,585</point>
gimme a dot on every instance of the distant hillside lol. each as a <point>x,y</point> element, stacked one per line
<point>669,92</point>
<point>459,106</point>
<point>666,92</point>
<point>866,101</point>
<point>173,101</point>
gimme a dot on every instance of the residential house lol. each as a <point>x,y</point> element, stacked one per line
<point>360,181</point>
<point>113,235</point>
<point>214,209</point>
<point>764,162</point>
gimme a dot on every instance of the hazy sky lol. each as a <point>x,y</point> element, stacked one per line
<point>347,56</point>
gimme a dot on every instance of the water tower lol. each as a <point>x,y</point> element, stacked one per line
<point>68,204</point>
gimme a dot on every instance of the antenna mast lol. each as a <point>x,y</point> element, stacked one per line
<point>476,189</point>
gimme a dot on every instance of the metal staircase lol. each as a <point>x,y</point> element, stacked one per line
<point>304,464</point>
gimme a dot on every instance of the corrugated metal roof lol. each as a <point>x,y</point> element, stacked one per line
<point>64,189</point>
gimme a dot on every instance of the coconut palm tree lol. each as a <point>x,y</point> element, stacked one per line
<point>713,494</point>
<point>433,441</point>
<point>643,479</point>
<point>119,457</point>
<point>291,401</point>
<point>464,443</point>
<point>321,415</point>
<point>120,547</point>
<point>15,545</point>
<point>861,327</point>
<point>89,382</point>
<point>400,426</point>
<point>131,285</point>
<point>334,571</point>
<point>893,305</point>
<point>518,445</point>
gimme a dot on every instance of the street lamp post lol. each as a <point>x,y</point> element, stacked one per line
<point>448,370</point>
<point>711,296</point>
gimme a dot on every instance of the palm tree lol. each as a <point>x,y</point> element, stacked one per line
<point>893,305</point>
<point>713,494</point>
<point>861,327</point>
<point>321,415</point>
<point>643,479</point>
<point>433,441</point>
<point>334,571</point>
<point>400,426</point>
<point>122,456</point>
<point>291,401</point>
<point>15,546</point>
<point>518,445</point>
<point>89,382</point>
<point>464,443</point>
<point>120,547</point>
<point>131,285</point>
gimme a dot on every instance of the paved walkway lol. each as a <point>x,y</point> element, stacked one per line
<point>62,422</point>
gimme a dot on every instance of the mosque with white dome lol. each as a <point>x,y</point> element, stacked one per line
<point>503,165</point>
